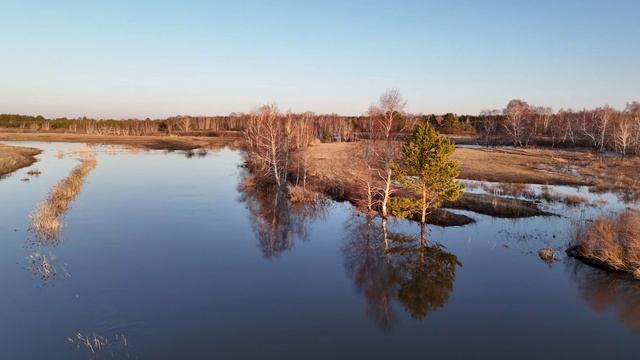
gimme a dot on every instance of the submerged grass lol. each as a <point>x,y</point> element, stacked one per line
<point>45,221</point>
<point>299,194</point>
<point>611,242</point>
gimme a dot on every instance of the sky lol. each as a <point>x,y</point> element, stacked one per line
<point>138,59</point>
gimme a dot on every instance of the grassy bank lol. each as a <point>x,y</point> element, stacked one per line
<point>610,242</point>
<point>13,158</point>
<point>147,142</point>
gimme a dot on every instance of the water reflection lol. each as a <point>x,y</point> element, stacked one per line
<point>386,266</point>
<point>605,291</point>
<point>278,223</point>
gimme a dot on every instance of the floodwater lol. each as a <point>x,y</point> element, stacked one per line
<point>162,256</point>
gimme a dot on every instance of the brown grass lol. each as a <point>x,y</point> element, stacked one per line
<point>298,194</point>
<point>13,158</point>
<point>515,190</point>
<point>551,196</point>
<point>45,221</point>
<point>546,254</point>
<point>610,242</point>
<point>505,165</point>
<point>34,172</point>
<point>146,142</point>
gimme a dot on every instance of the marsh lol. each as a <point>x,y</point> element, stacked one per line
<point>163,255</point>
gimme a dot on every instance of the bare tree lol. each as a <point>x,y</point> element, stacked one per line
<point>384,116</point>
<point>488,126</point>
<point>516,124</point>
<point>391,109</point>
<point>623,133</point>
<point>266,135</point>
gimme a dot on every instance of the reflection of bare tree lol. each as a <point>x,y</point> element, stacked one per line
<point>385,266</point>
<point>603,290</point>
<point>276,222</point>
<point>369,268</point>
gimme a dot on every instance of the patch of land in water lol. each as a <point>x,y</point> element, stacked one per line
<point>159,142</point>
<point>13,158</point>
<point>511,165</point>
<point>496,206</point>
<point>330,170</point>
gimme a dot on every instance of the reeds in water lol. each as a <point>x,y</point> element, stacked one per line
<point>612,242</point>
<point>45,221</point>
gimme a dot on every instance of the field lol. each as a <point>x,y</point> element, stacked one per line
<point>147,142</point>
<point>506,165</point>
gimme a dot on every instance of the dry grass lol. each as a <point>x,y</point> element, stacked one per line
<point>34,172</point>
<point>610,242</point>
<point>45,221</point>
<point>574,200</point>
<point>547,255</point>
<point>146,142</point>
<point>551,196</point>
<point>42,265</point>
<point>506,165</point>
<point>515,190</point>
<point>96,343</point>
<point>298,194</point>
<point>13,158</point>
<point>529,166</point>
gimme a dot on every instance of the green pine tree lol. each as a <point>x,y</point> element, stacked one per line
<point>427,171</point>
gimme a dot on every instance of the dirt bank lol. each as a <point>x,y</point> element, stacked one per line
<point>13,158</point>
<point>146,142</point>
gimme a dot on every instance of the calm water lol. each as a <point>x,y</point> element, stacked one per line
<point>165,251</point>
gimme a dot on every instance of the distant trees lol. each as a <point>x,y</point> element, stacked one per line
<point>517,122</point>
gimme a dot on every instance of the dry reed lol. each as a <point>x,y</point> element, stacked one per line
<point>34,172</point>
<point>298,194</point>
<point>45,221</point>
<point>611,242</point>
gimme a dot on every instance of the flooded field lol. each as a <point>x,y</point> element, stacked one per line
<point>162,255</point>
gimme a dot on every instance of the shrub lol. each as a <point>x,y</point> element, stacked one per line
<point>610,242</point>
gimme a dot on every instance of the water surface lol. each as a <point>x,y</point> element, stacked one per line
<point>164,250</point>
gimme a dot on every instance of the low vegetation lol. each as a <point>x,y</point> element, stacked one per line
<point>45,221</point>
<point>611,242</point>
<point>13,158</point>
<point>158,142</point>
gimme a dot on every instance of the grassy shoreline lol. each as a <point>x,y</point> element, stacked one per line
<point>13,158</point>
<point>157,142</point>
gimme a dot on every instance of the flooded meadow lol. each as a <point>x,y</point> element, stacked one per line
<point>114,252</point>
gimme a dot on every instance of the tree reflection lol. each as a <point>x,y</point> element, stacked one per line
<point>604,291</point>
<point>276,222</point>
<point>387,266</point>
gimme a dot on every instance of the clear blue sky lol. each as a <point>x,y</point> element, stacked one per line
<point>158,58</point>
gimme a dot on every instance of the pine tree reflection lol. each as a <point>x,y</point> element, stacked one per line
<point>277,223</point>
<point>387,266</point>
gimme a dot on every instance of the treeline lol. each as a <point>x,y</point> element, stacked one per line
<point>603,128</point>
<point>518,124</point>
